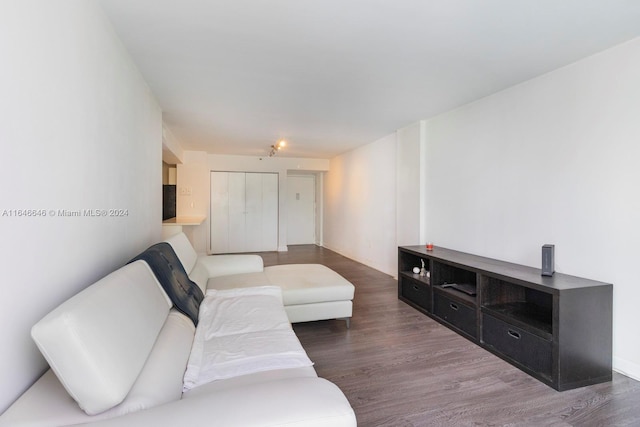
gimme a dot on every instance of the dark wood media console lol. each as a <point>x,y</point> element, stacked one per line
<point>557,329</point>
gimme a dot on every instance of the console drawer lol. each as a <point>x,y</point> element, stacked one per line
<point>521,346</point>
<point>416,292</point>
<point>455,313</point>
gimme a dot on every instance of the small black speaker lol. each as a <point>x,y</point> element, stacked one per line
<point>548,254</point>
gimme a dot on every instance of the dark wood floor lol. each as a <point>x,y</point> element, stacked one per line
<point>398,367</point>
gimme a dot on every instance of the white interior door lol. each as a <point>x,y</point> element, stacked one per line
<point>301,209</point>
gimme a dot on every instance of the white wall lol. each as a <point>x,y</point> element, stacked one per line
<point>360,205</point>
<point>172,151</point>
<point>553,160</point>
<point>79,130</point>
<point>193,176</point>
<point>410,185</point>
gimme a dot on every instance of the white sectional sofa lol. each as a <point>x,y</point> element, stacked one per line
<point>118,352</point>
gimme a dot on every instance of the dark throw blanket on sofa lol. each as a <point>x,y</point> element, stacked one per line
<point>185,295</point>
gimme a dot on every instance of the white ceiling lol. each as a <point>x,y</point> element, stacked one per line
<point>234,76</point>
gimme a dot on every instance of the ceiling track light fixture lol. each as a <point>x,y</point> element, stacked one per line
<point>276,147</point>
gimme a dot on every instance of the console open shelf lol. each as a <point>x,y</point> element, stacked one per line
<point>530,317</point>
<point>557,329</point>
<point>413,276</point>
<point>527,308</point>
<point>415,289</point>
<point>452,293</point>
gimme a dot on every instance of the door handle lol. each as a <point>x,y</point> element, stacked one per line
<point>513,334</point>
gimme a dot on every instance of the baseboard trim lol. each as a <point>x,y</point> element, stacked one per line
<point>283,249</point>
<point>627,368</point>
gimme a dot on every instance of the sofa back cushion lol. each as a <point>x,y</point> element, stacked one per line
<point>183,248</point>
<point>200,276</point>
<point>160,381</point>
<point>98,341</point>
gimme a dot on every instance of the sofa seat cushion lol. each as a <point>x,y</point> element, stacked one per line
<point>98,341</point>
<point>309,283</point>
<point>249,379</point>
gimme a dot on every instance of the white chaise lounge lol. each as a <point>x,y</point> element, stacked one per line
<point>309,291</point>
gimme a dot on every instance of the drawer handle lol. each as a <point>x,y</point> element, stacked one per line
<point>513,334</point>
<point>415,288</point>
<point>453,306</point>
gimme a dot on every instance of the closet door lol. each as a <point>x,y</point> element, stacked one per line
<point>237,212</point>
<point>219,213</point>
<point>261,218</point>
<point>244,212</point>
<point>269,232</point>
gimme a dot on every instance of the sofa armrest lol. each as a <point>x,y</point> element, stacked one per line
<point>294,402</point>
<point>224,265</point>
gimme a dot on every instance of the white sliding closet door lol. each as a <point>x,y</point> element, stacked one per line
<point>253,212</point>
<point>269,231</point>
<point>237,233</point>
<point>219,218</point>
<point>244,212</point>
